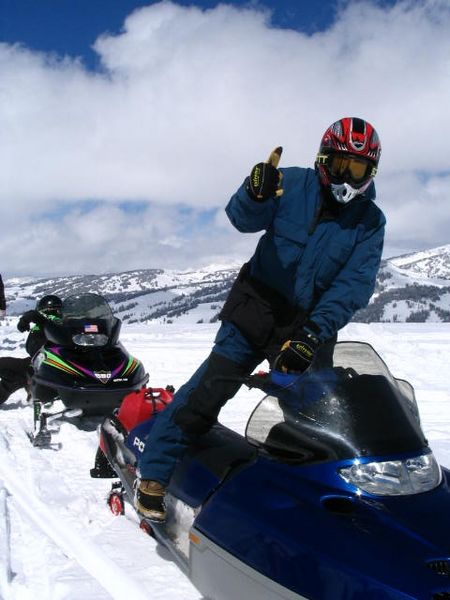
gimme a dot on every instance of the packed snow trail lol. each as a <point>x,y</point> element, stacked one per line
<point>114,579</point>
<point>5,543</point>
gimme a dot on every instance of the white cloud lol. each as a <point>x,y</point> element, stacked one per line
<point>187,102</point>
<point>418,209</point>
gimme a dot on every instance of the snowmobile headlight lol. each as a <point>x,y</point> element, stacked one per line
<point>395,477</point>
<point>90,339</point>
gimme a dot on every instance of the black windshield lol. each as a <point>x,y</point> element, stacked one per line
<point>353,408</point>
<point>86,306</point>
<point>84,314</point>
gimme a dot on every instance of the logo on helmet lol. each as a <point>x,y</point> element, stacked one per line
<point>357,134</point>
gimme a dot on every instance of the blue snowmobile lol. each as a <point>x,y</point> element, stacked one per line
<point>332,494</point>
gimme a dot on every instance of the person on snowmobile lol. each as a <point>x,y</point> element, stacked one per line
<point>47,308</point>
<point>2,299</point>
<point>16,373</point>
<point>313,268</point>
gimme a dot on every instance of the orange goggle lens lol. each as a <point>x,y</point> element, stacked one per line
<point>358,168</point>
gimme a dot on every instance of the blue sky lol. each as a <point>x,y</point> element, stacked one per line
<point>72,26</point>
<point>126,126</point>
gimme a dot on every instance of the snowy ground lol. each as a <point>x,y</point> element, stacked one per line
<point>58,539</point>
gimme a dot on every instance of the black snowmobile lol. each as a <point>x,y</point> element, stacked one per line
<point>82,364</point>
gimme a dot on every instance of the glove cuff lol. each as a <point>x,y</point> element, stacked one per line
<point>313,331</point>
<point>250,193</point>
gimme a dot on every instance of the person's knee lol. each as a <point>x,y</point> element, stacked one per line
<point>193,423</point>
<point>219,382</point>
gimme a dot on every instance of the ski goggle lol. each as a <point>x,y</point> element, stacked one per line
<point>56,312</point>
<point>348,167</point>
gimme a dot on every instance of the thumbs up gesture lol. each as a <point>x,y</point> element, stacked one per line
<point>265,179</point>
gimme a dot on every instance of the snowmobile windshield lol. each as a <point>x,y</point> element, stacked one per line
<point>352,408</point>
<point>86,306</point>
<point>87,320</point>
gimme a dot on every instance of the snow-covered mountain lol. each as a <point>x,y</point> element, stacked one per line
<point>413,287</point>
<point>148,295</point>
<point>430,264</point>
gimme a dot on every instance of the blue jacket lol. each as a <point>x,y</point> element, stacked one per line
<point>326,267</point>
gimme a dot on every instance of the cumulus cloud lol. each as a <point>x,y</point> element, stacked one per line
<point>186,101</point>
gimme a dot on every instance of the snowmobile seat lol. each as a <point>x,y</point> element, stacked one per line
<point>212,458</point>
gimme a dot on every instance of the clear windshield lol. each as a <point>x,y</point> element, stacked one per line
<point>354,407</point>
<point>86,306</point>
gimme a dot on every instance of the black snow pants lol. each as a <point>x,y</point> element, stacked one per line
<point>15,373</point>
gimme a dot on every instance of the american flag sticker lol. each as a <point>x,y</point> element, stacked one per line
<point>90,329</point>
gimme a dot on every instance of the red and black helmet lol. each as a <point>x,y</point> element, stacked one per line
<point>348,157</point>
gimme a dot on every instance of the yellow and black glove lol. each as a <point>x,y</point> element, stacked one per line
<point>297,355</point>
<point>265,179</point>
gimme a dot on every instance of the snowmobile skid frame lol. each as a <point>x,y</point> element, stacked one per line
<point>41,436</point>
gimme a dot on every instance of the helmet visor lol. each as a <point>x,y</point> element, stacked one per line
<point>51,310</point>
<point>346,167</point>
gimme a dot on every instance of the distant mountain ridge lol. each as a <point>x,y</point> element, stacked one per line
<point>135,296</point>
<point>413,287</point>
<point>431,264</point>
